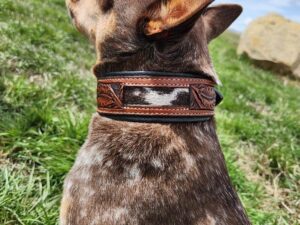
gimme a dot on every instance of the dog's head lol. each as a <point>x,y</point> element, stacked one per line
<point>152,33</point>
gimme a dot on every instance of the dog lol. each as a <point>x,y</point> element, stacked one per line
<point>135,173</point>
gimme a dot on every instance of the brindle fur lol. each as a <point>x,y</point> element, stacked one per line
<point>147,174</point>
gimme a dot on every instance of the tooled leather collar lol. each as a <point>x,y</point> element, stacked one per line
<point>161,97</point>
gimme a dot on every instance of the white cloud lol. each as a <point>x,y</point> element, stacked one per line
<point>248,20</point>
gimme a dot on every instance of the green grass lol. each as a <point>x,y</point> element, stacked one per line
<point>47,98</point>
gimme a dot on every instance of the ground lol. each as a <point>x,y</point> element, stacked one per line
<point>47,97</point>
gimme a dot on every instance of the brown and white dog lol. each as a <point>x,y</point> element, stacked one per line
<point>130,173</point>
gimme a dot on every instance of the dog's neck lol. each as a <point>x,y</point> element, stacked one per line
<point>189,55</point>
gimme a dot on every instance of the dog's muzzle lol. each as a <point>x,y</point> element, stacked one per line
<point>157,97</point>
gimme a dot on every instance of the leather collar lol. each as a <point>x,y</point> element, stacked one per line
<point>161,97</point>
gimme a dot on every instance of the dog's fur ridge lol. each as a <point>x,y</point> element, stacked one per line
<point>148,174</point>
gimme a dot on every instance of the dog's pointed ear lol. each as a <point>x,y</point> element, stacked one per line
<point>170,16</point>
<point>218,18</point>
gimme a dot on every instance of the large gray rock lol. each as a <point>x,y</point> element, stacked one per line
<point>273,42</point>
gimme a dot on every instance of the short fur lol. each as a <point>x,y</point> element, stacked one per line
<point>147,174</point>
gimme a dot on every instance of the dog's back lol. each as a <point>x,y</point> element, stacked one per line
<point>150,174</point>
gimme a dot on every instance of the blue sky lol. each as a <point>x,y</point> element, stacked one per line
<point>255,8</point>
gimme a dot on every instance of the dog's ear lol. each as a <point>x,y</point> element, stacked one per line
<point>170,17</point>
<point>218,18</point>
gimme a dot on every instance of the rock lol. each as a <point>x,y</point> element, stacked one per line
<point>273,42</point>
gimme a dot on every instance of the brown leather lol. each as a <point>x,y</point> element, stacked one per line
<point>201,93</point>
